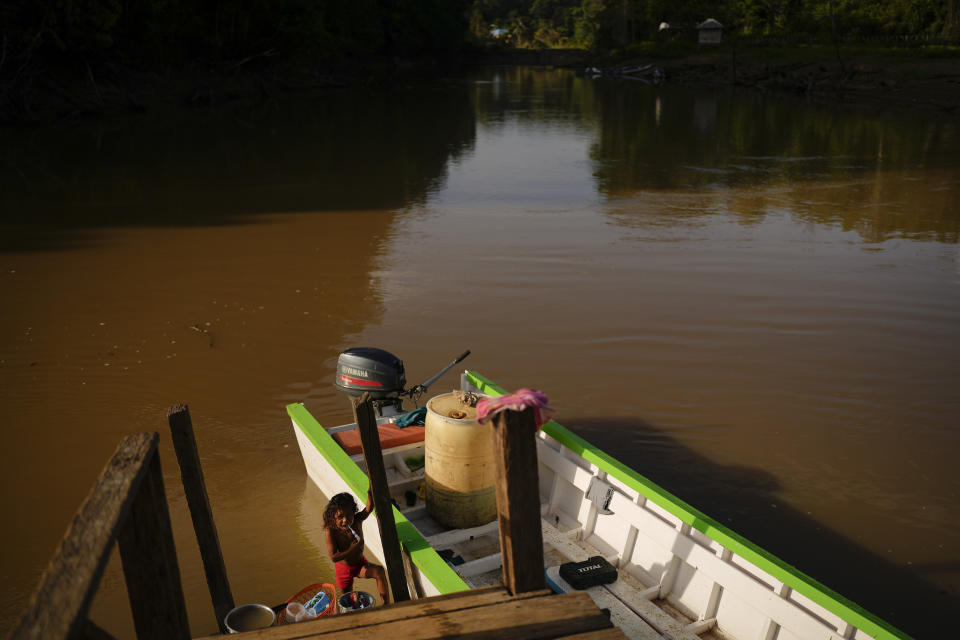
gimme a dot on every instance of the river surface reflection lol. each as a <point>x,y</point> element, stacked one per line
<point>753,301</point>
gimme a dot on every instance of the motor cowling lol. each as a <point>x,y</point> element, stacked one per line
<point>370,370</point>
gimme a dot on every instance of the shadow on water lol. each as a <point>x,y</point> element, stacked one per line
<point>383,148</point>
<point>739,497</point>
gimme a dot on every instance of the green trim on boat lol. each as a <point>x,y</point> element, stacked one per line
<point>764,560</point>
<point>422,554</point>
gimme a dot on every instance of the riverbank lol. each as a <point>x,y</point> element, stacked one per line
<point>881,79</point>
<point>872,80</point>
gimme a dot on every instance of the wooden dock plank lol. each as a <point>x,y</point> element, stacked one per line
<point>406,610</point>
<point>547,616</point>
<point>612,633</point>
<point>478,614</point>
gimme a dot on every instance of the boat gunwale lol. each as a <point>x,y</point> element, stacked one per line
<point>803,584</point>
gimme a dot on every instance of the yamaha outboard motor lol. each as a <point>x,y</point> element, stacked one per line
<point>372,370</point>
<point>380,373</point>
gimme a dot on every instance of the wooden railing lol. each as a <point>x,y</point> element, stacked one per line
<point>127,506</point>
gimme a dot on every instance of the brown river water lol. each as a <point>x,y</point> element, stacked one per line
<point>751,300</point>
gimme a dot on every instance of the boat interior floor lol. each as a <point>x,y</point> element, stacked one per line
<point>474,554</point>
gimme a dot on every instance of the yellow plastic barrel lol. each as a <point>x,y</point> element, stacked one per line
<point>458,463</point>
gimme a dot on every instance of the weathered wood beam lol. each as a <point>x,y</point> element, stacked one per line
<point>604,634</point>
<point>149,560</point>
<point>373,455</point>
<point>410,609</point>
<point>518,500</point>
<point>191,473</point>
<point>548,616</point>
<point>59,606</point>
<point>414,588</point>
<point>474,615</point>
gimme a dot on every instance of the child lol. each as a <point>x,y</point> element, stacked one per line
<point>342,523</point>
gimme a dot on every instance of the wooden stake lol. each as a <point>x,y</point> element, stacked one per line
<point>191,473</point>
<point>149,560</point>
<point>59,606</point>
<point>518,500</point>
<point>373,455</point>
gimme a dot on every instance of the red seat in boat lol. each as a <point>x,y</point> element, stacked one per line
<point>390,436</point>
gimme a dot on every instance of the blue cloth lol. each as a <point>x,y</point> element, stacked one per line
<point>413,418</point>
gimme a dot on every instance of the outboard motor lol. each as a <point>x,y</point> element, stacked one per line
<point>370,370</point>
<point>380,373</point>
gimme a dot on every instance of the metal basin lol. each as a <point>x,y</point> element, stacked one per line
<point>354,601</point>
<point>249,617</point>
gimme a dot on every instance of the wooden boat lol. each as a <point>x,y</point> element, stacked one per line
<point>681,574</point>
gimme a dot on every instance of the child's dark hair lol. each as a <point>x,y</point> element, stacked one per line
<point>340,502</point>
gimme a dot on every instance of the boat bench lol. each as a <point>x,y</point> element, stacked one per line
<point>391,436</point>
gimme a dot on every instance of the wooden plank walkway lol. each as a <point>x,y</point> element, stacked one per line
<point>490,612</point>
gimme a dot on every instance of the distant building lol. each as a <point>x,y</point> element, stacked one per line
<point>498,33</point>
<point>711,31</point>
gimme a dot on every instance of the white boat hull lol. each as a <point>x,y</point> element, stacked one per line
<point>330,484</point>
<point>681,575</point>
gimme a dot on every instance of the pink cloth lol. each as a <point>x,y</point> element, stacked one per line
<point>522,399</point>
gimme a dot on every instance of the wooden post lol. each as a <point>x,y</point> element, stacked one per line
<point>149,560</point>
<point>370,439</point>
<point>518,500</point>
<point>59,606</point>
<point>191,473</point>
<point>413,584</point>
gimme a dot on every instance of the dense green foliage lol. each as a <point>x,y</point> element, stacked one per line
<point>86,54</point>
<point>171,32</point>
<point>608,24</point>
